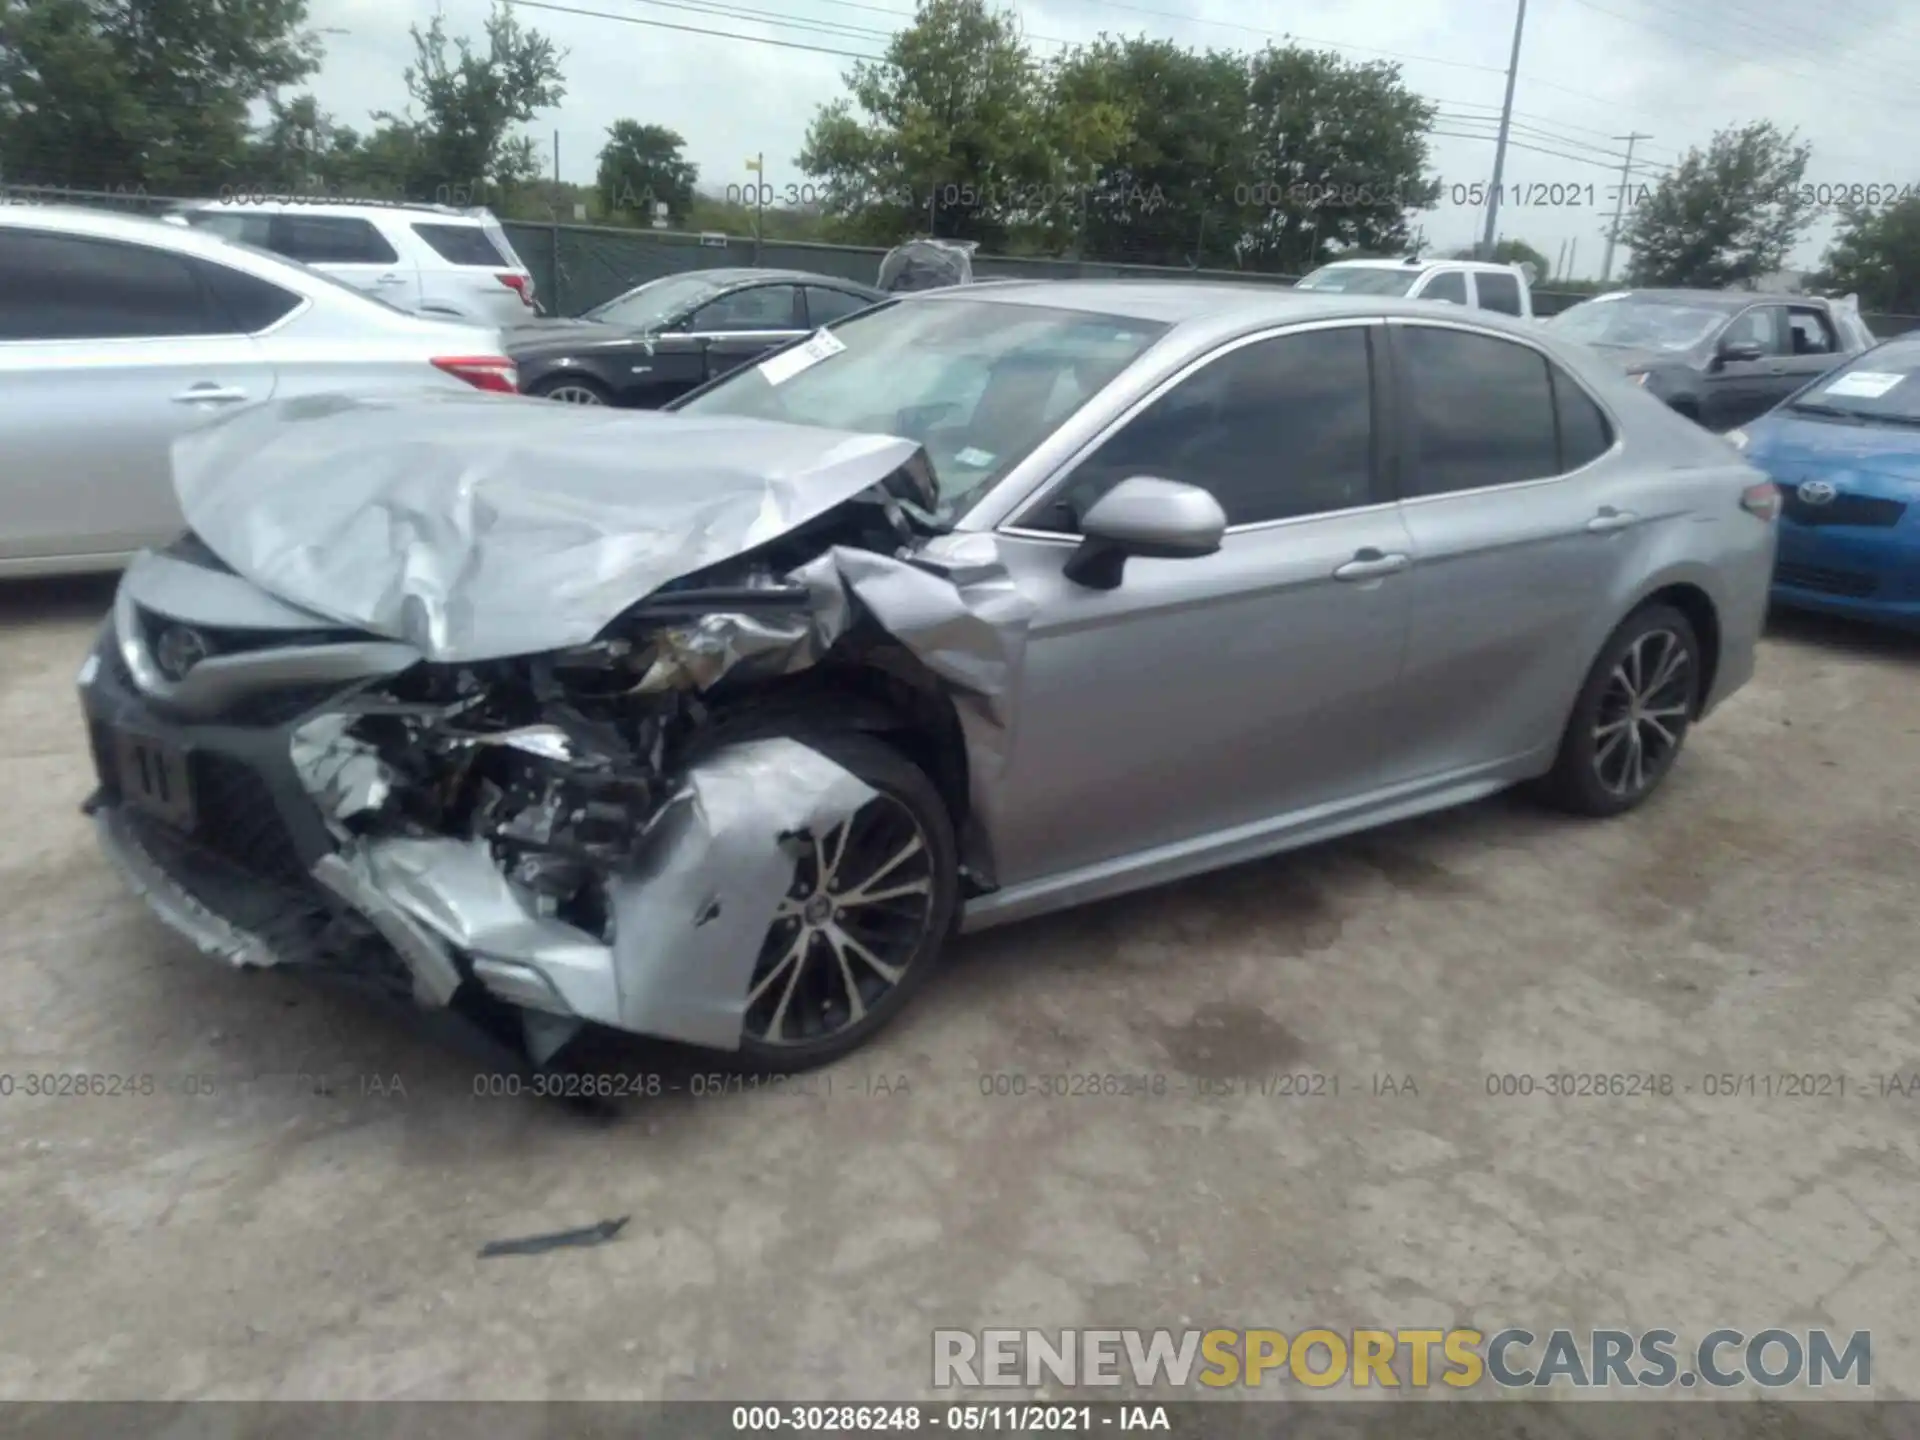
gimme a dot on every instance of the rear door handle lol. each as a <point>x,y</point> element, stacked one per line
<point>209,394</point>
<point>1610,519</point>
<point>1370,564</point>
<point>391,280</point>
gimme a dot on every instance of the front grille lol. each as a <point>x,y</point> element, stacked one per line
<point>1853,584</point>
<point>236,818</point>
<point>1864,510</point>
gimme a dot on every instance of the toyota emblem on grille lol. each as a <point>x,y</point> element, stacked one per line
<point>1817,492</point>
<point>180,648</point>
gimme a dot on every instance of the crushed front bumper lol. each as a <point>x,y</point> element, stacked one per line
<point>236,855</point>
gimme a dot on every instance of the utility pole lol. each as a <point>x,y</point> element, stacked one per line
<point>1619,205</point>
<point>758,167</point>
<point>1500,146</point>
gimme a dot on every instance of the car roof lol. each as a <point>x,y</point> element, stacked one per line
<point>1218,305</point>
<point>358,209</point>
<point>116,225</point>
<point>1417,264</point>
<point>1721,299</point>
<point>748,274</point>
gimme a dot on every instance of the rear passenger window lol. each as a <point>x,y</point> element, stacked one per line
<point>1480,411</point>
<point>825,306</point>
<point>1498,292</point>
<point>1585,434</point>
<point>462,245</point>
<point>64,287</point>
<point>1448,285</point>
<point>331,240</point>
<point>251,303</point>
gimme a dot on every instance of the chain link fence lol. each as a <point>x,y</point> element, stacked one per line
<point>576,267</point>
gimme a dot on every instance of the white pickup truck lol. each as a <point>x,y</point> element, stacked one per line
<point>1477,284</point>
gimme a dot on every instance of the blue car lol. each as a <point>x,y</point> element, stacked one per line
<point>1845,452</point>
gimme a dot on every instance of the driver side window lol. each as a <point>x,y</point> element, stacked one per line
<point>1759,326</point>
<point>1275,429</point>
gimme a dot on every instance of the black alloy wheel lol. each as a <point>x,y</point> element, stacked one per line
<point>1632,716</point>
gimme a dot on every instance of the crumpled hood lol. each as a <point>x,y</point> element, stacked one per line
<point>475,526</point>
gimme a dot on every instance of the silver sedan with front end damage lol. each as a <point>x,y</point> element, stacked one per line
<point>713,725</point>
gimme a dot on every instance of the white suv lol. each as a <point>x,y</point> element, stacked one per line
<point>1476,284</point>
<point>431,259</point>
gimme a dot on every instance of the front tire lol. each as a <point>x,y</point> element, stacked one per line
<point>864,924</point>
<point>1632,715</point>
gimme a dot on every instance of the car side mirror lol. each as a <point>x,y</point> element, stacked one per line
<point>1732,351</point>
<point>1152,518</point>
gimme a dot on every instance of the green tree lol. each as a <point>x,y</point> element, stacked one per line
<point>950,132</point>
<point>1726,214</point>
<point>641,166</point>
<point>1335,158</point>
<point>463,145</point>
<point>1876,255</point>
<point>1161,129</point>
<point>141,93</point>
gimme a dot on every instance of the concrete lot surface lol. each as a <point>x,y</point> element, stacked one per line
<point>243,1232</point>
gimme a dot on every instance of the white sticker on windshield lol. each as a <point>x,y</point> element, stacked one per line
<point>789,363</point>
<point>974,459</point>
<point>1867,384</point>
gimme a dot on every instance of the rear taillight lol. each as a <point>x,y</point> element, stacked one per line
<point>521,285</point>
<point>483,372</point>
<point>1761,501</point>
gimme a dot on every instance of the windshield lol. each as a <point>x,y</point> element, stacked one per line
<point>1638,324</point>
<point>1883,385</point>
<point>656,301</point>
<point>978,383</point>
<point>1360,279</point>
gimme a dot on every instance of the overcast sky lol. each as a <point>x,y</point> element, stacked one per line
<point>1589,70</point>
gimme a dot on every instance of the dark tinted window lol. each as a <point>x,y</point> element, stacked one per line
<point>1585,434</point>
<point>1481,411</point>
<point>1275,429</point>
<point>1448,285</point>
<point>61,287</point>
<point>760,307</point>
<point>825,306</point>
<point>330,240</point>
<point>462,245</point>
<point>1811,332</point>
<point>251,303</point>
<point>1498,292</point>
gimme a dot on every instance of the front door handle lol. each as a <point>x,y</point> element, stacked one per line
<point>391,280</point>
<point>1370,564</point>
<point>209,394</point>
<point>1610,519</point>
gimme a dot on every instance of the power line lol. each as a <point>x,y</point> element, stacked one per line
<point>696,30</point>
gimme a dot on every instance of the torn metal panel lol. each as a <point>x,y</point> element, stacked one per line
<point>475,527</point>
<point>690,923</point>
<point>454,888</point>
<point>344,774</point>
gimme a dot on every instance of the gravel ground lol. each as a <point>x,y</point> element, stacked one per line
<point>295,1211</point>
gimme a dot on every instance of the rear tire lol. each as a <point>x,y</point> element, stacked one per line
<point>572,390</point>
<point>836,968</point>
<point>1631,717</point>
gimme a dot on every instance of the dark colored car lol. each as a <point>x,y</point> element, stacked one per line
<point>1845,453</point>
<point>1719,357</point>
<point>662,339</point>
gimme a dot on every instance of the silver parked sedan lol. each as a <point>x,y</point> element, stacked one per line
<point>712,724</point>
<point>118,334</point>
